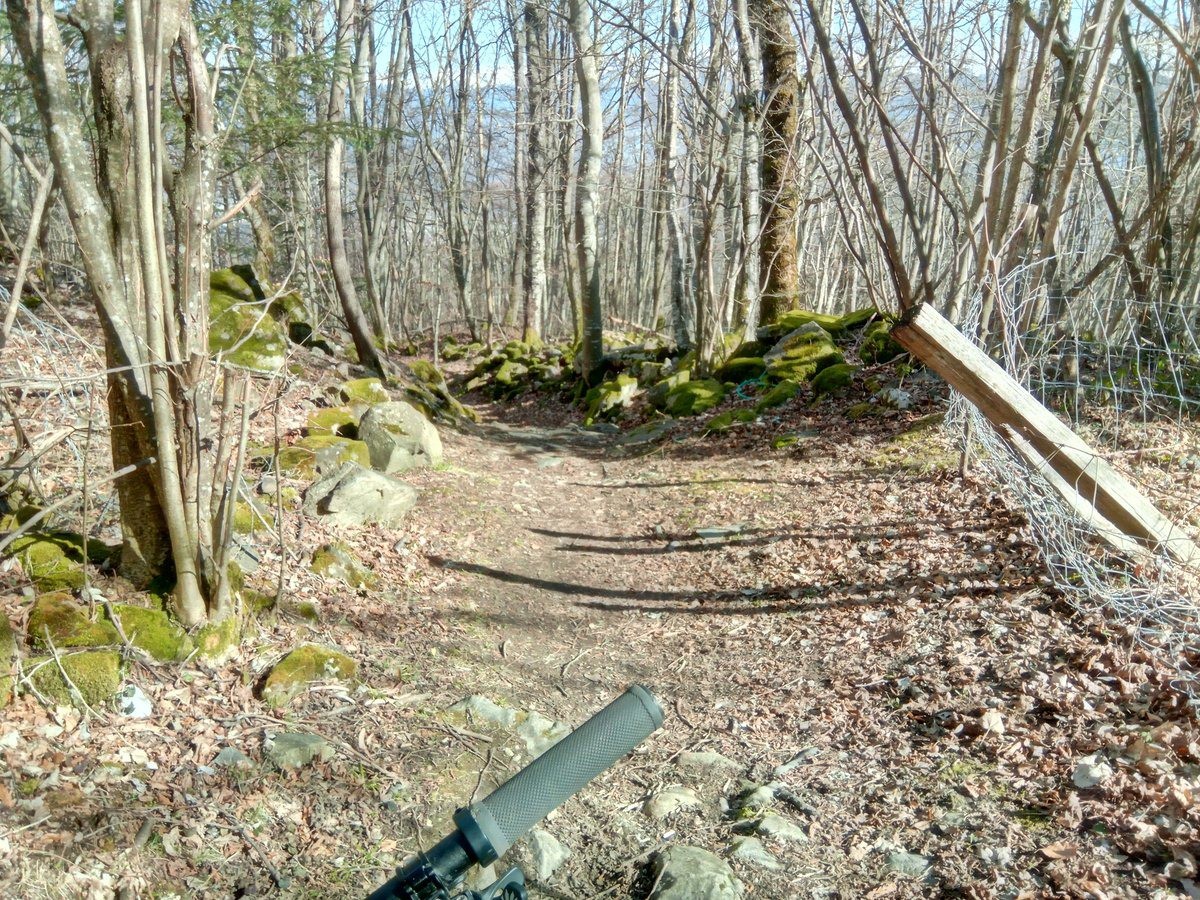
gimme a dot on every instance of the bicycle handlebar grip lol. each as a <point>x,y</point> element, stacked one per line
<point>563,770</point>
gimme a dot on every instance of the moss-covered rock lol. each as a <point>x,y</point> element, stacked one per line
<point>249,517</point>
<point>430,393</point>
<point>833,378</point>
<point>778,395</point>
<point>610,396</point>
<point>53,560</point>
<point>726,420</point>
<point>856,319</point>
<point>338,421</point>
<point>319,453</point>
<point>95,673</point>
<point>793,319</point>
<point>741,368</point>
<point>216,642</point>
<point>303,666</point>
<point>240,326</point>
<point>860,411</point>
<point>363,392</point>
<point>801,363</point>
<point>153,631</point>
<point>509,374</point>
<point>878,345</point>
<point>694,397</point>
<point>657,395</point>
<point>338,562</point>
<point>57,620</point>
<point>398,437</point>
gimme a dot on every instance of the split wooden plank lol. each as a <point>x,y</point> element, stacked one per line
<point>1005,403</point>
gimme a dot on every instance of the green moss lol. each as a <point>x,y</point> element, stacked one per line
<point>778,395</point>
<point>7,683</point>
<point>338,421</point>
<point>610,396</point>
<point>364,392</point>
<point>8,654</point>
<point>796,318</point>
<point>833,378</point>
<point>336,561</point>
<point>290,496</point>
<point>694,397</point>
<point>67,624</point>
<point>304,665</point>
<point>726,420</point>
<point>856,320</point>
<point>657,395</point>
<point>96,673</point>
<point>800,363</point>
<point>239,327</point>
<point>308,611</point>
<point>741,368</point>
<point>247,520</point>
<point>860,410</point>
<point>427,372</point>
<point>152,631</point>
<point>52,562</point>
<point>321,452</point>
<point>217,641</point>
<point>257,602</point>
<point>878,345</point>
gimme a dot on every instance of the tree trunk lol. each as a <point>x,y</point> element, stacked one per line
<point>335,236</point>
<point>588,189</point>
<point>777,249</point>
<point>537,159</point>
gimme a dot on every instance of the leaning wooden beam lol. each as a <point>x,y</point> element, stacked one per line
<point>1103,529</point>
<point>1004,403</point>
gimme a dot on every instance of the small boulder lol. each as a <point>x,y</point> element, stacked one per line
<point>548,852</point>
<point>657,395</point>
<point>359,393</point>
<point>778,395</point>
<point>878,345</point>
<point>694,397</point>
<point>354,495</point>
<point>240,329</point>
<point>833,378</point>
<point>57,620</point>
<point>337,421</point>
<point>482,710</point>
<point>95,673</point>
<point>750,850</point>
<point>337,562</point>
<point>792,342</point>
<point>690,873</point>
<point>540,733</point>
<point>708,761</point>
<point>321,453</point>
<point>780,829</point>
<point>232,758</point>
<point>306,664</point>
<point>741,368</point>
<point>53,561</point>
<point>912,865</point>
<point>670,800</point>
<point>399,437</point>
<point>610,396</point>
<point>153,631</point>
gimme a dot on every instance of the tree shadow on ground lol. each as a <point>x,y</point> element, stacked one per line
<point>790,598</point>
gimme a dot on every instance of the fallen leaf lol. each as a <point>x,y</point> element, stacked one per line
<point>1060,850</point>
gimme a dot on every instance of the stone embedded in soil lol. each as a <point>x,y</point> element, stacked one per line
<point>484,711</point>
<point>357,496</point>
<point>133,703</point>
<point>540,733</point>
<point>690,873</point>
<point>754,798</point>
<point>670,800</point>
<point>780,829</point>
<point>306,664</point>
<point>232,758</point>
<point>751,850</point>
<point>548,852</point>
<point>911,864</point>
<point>294,751</point>
<point>708,760</point>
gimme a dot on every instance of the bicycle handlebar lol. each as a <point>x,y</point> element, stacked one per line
<point>487,829</point>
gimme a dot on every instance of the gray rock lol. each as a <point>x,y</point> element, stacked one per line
<point>294,751</point>
<point>232,758</point>
<point>132,702</point>
<point>482,710</point>
<point>399,437</point>
<point>548,852</point>
<point>781,829</point>
<point>540,733</point>
<point>689,873</point>
<point>662,803</point>
<point>356,496</point>
<point>800,759</point>
<point>751,850</point>
<point>911,864</point>
<point>708,760</point>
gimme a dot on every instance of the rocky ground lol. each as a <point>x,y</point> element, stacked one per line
<point>871,689</point>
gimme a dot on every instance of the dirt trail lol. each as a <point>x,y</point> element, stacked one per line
<point>775,601</point>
